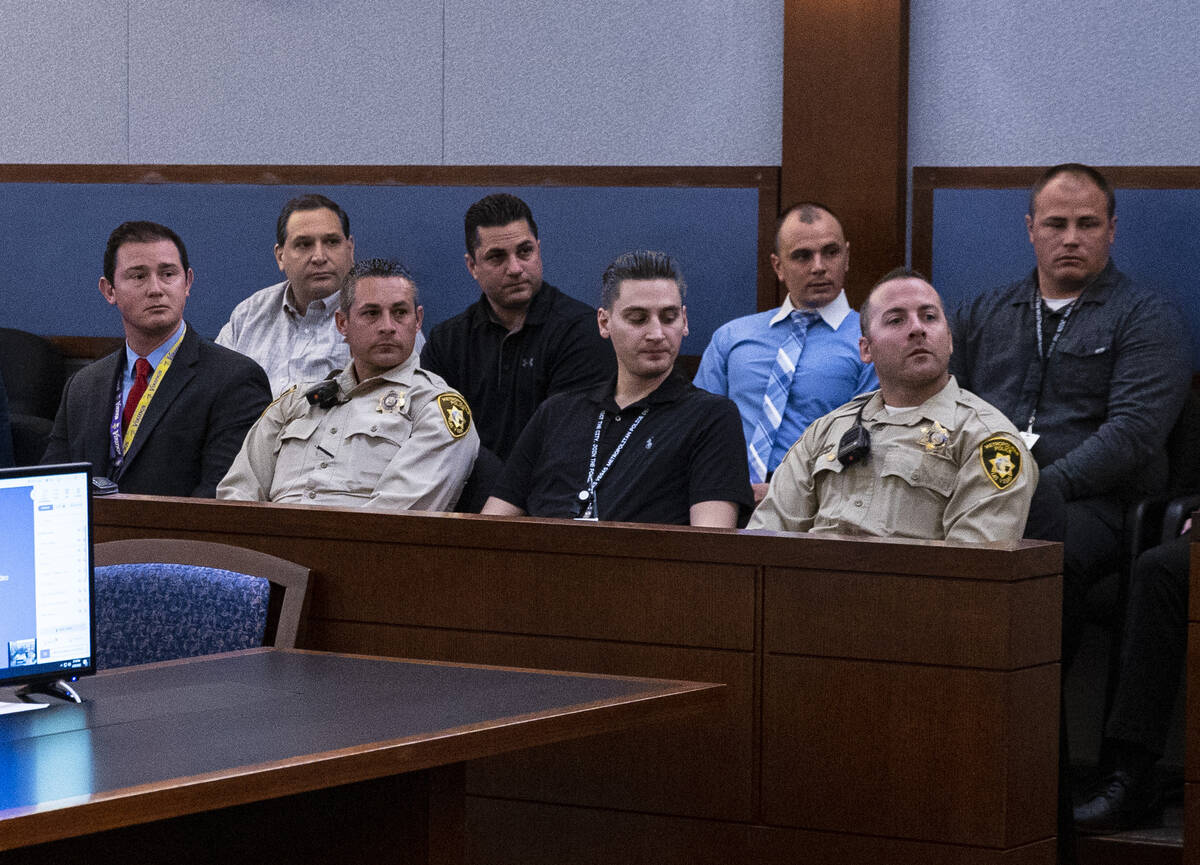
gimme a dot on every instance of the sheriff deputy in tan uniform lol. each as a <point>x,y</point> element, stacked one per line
<point>918,458</point>
<point>382,434</point>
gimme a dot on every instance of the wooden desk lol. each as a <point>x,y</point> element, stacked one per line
<point>889,701</point>
<point>288,756</point>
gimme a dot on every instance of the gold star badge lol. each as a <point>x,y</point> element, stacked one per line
<point>456,413</point>
<point>934,437</point>
<point>391,402</point>
<point>1001,461</point>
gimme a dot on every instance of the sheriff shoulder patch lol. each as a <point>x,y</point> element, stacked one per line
<point>1001,461</point>
<point>456,413</point>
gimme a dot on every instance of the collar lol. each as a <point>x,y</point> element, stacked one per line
<point>154,357</point>
<point>670,390</point>
<point>832,313</point>
<point>940,407</point>
<point>290,307</point>
<point>400,374</point>
<point>1099,290</point>
<point>538,312</point>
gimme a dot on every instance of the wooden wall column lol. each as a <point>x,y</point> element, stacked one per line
<point>845,123</point>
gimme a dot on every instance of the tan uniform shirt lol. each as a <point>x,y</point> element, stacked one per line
<point>401,441</point>
<point>952,468</point>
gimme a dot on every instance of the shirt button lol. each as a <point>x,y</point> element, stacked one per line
<point>374,427</point>
<point>858,503</point>
<point>617,418</point>
<point>913,476</point>
<point>312,494</point>
<point>333,431</point>
<point>324,465</point>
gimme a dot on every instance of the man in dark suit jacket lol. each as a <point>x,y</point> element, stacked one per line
<point>166,414</point>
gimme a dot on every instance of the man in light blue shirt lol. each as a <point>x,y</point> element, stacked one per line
<point>789,366</point>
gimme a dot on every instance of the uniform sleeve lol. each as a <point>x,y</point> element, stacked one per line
<point>430,468</point>
<point>252,474</point>
<point>1151,374</point>
<point>584,358</point>
<point>234,410</point>
<point>713,374</point>
<point>992,492</point>
<point>791,502</point>
<point>718,471</point>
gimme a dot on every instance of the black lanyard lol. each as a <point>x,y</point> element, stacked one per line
<point>1045,353</point>
<point>593,480</point>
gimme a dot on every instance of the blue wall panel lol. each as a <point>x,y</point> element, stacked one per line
<point>980,242</point>
<point>50,262</point>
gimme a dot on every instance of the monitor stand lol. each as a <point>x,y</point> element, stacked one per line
<point>58,688</point>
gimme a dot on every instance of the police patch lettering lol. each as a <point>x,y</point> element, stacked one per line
<point>456,413</point>
<point>1001,461</point>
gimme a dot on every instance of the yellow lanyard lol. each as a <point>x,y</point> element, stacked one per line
<point>148,394</point>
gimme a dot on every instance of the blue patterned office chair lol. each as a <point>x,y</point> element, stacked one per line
<point>162,599</point>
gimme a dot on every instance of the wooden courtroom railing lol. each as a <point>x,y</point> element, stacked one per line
<point>889,701</point>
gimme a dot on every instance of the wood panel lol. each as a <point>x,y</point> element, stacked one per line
<point>945,677</point>
<point>965,622</point>
<point>578,836</point>
<point>908,751</point>
<point>644,599</point>
<point>845,123</point>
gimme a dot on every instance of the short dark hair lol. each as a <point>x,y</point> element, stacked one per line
<point>492,211</point>
<point>1079,170</point>
<point>379,267</point>
<point>139,232</point>
<point>641,264</point>
<point>864,314</point>
<point>808,213</point>
<point>312,201</point>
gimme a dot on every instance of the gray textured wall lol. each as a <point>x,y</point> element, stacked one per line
<point>408,82</point>
<point>1025,82</point>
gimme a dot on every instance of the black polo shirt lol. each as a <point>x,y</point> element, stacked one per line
<point>688,448</point>
<point>506,376</point>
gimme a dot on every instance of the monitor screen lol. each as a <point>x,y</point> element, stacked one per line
<point>47,614</point>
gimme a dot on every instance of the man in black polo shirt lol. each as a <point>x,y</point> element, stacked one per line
<point>523,340</point>
<point>646,446</point>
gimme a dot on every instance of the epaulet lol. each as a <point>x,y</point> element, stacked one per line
<point>281,396</point>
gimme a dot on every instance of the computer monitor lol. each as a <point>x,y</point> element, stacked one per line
<point>47,610</point>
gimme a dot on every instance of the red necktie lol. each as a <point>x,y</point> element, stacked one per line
<point>141,375</point>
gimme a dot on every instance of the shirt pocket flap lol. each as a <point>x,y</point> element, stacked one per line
<point>394,429</point>
<point>920,468</point>
<point>823,464</point>
<point>300,429</point>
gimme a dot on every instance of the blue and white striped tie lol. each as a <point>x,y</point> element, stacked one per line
<point>776,398</point>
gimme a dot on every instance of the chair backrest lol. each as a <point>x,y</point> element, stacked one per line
<point>159,599</point>
<point>34,373</point>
